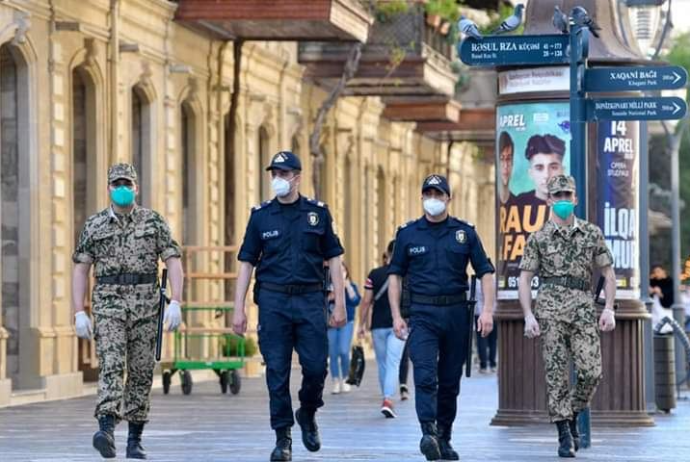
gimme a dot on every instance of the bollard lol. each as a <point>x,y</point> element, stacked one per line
<point>664,372</point>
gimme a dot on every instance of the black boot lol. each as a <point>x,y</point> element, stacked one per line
<point>310,431</point>
<point>447,451</point>
<point>565,441</point>
<point>134,449</point>
<point>574,432</point>
<point>104,438</point>
<point>429,443</point>
<point>283,449</point>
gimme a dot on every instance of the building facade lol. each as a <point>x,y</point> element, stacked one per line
<point>87,83</point>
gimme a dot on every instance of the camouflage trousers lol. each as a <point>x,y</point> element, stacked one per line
<point>562,341</point>
<point>125,326</point>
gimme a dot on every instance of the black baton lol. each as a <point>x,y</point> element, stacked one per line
<point>470,318</point>
<point>161,314</point>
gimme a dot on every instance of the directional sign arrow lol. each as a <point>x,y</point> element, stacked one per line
<point>515,50</point>
<point>635,78</point>
<point>636,109</point>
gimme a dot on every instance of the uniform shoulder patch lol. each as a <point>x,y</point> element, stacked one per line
<point>316,203</point>
<point>405,225</point>
<point>261,205</point>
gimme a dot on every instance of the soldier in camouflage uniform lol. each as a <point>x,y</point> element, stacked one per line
<point>564,253</point>
<point>124,243</point>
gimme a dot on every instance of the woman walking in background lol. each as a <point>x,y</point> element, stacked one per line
<point>387,346</point>
<point>340,338</point>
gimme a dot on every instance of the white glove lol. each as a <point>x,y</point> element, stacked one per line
<point>531,326</point>
<point>82,324</point>
<point>173,315</point>
<point>607,321</point>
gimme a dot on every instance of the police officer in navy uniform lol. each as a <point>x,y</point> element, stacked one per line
<point>287,240</point>
<point>432,252</point>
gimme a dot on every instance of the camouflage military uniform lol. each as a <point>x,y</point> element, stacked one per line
<point>567,317</point>
<point>125,315</point>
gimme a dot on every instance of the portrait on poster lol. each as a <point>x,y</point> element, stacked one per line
<point>532,145</point>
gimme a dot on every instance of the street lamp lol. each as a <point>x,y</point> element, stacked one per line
<point>645,19</point>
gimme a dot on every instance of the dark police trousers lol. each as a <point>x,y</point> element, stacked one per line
<point>293,321</point>
<point>438,345</point>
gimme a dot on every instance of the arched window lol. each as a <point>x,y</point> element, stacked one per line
<point>381,191</point>
<point>141,135</point>
<point>265,156</point>
<point>188,141</point>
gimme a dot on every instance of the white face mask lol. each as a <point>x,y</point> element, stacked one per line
<point>281,186</point>
<point>434,207</point>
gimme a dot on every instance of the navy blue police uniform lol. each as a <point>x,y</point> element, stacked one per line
<point>288,245</point>
<point>434,258</point>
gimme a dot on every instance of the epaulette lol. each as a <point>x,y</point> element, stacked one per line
<point>317,203</point>
<point>471,225</point>
<point>261,205</point>
<point>405,225</point>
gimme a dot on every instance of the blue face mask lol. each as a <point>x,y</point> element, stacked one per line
<point>563,209</point>
<point>122,196</point>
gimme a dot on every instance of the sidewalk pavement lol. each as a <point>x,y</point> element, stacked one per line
<point>209,426</point>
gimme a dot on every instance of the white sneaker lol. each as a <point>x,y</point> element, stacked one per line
<point>336,387</point>
<point>346,387</point>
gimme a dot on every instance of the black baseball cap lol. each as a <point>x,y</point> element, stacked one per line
<point>438,182</point>
<point>285,160</point>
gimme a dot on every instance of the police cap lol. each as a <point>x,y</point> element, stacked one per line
<point>438,182</point>
<point>285,160</point>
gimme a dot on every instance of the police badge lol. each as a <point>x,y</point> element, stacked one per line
<point>313,218</point>
<point>461,236</point>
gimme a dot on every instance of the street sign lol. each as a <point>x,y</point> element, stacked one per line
<point>636,109</point>
<point>515,50</point>
<point>635,78</point>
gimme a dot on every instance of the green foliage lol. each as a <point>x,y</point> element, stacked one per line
<point>446,9</point>
<point>504,10</point>
<point>232,342</point>
<point>387,10</point>
<point>679,55</point>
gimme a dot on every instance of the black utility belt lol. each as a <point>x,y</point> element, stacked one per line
<point>128,279</point>
<point>566,281</point>
<point>441,300</point>
<point>291,289</point>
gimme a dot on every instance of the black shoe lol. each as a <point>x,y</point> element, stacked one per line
<point>574,432</point>
<point>429,443</point>
<point>565,440</point>
<point>404,392</point>
<point>134,448</point>
<point>104,438</point>
<point>283,450</point>
<point>447,451</point>
<point>310,431</point>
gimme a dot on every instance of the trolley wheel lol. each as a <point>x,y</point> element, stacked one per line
<point>167,378</point>
<point>224,379</point>
<point>186,382</point>
<point>235,382</point>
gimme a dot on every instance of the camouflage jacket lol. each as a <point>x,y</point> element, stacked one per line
<point>573,251</point>
<point>125,244</point>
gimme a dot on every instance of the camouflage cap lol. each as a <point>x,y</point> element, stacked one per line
<point>122,171</point>
<point>561,183</point>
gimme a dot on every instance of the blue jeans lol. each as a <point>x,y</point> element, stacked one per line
<point>388,349</point>
<point>339,341</point>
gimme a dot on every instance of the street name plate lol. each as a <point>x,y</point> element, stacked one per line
<point>636,109</point>
<point>515,50</point>
<point>635,78</point>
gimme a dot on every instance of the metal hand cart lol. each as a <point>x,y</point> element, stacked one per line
<point>226,368</point>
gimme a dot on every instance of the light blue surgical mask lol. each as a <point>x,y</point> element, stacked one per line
<point>122,196</point>
<point>563,209</point>
<point>434,207</point>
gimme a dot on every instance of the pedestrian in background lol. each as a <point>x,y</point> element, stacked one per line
<point>375,315</point>
<point>486,346</point>
<point>124,243</point>
<point>340,338</point>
